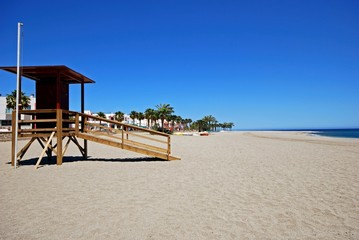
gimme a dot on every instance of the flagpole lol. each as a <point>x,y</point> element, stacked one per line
<point>18,94</point>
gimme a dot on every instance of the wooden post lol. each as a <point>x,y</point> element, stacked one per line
<point>83,111</point>
<point>13,155</point>
<point>44,150</point>
<point>122,135</point>
<point>77,124</point>
<point>59,135</point>
<point>168,147</point>
<point>126,133</point>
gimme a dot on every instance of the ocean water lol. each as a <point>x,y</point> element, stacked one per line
<point>342,133</point>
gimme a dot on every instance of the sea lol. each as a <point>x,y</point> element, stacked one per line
<point>340,133</point>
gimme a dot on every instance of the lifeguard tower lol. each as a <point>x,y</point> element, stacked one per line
<point>52,121</point>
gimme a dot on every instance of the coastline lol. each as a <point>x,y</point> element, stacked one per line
<point>229,185</point>
<point>328,132</point>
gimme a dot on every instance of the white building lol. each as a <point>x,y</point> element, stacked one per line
<point>127,119</point>
<point>6,113</point>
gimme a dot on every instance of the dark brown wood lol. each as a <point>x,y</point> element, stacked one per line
<point>41,73</point>
<point>59,136</point>
<point>82,112</point>
<point>82,150</point>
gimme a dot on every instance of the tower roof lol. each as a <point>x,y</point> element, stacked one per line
<point>43,73</point>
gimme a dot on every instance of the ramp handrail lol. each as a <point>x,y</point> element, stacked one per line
<point>42,122</point>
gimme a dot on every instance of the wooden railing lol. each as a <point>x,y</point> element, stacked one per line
<point>124,134</point>
<point>64,123</point>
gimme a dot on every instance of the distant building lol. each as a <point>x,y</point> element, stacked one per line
<point>127,119</point>
<point>111,116</point>
<point>6,113</point>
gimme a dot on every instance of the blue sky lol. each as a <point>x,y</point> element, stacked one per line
<point>259,64</point>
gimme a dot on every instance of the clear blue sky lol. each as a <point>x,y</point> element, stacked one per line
<point>258,64</point>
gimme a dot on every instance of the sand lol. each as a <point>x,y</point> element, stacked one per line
<point>238,185</point>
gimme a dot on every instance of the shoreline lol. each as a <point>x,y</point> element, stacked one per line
<point>314,132</point>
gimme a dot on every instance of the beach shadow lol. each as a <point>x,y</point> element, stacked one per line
<point>52,161</point>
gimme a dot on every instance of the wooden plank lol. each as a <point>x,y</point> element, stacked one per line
<point>146,152</point>
<point>98,125</point>
<point>41,144</point>
<point>22,152</point>
<point>42,130</point>
<point>83,121</point>
<point>145,137</point>
<point>37,111</point>
<point>37,121</point>
<point>37,130</point>
<point>77,123</point>
<point>68,130</point>
<point>168,146</point>
<point>30,135</point>
<point>68,120</point>
<point>74,140</point>
<point>104,134</point>
<point>67,144</point>
<point>122,137</point>
<point>44,121</point>
<point>44,150</point>
<point>52,148</point>
<point>145,146</point>
<point>99,140</point>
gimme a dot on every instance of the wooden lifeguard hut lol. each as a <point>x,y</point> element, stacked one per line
<point>53,121</point>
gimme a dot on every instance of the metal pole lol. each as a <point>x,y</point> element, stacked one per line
<point>19,24</point>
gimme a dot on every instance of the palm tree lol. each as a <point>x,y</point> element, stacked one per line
<point>154,118</point>
<point>133,116</point>
<point>227,125</point>
<point>11,101</point>
<point>140,116</point>
<point>172,118</point>
<point>215,125</point>
<point>230,125</point>
<point>210,120</point>
<point>119,116</point>
<point>164,111</point>
<point>199,124</point>
<point>179,120</point>
<point>149,115</point>
<point>187,121</point>
<point>101,114</point>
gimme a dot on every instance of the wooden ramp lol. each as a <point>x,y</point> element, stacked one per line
<point>127,137</point>
<point>57,124</point>
<point>145,149</point>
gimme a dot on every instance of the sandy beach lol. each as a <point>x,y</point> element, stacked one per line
<point>229,185</point>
